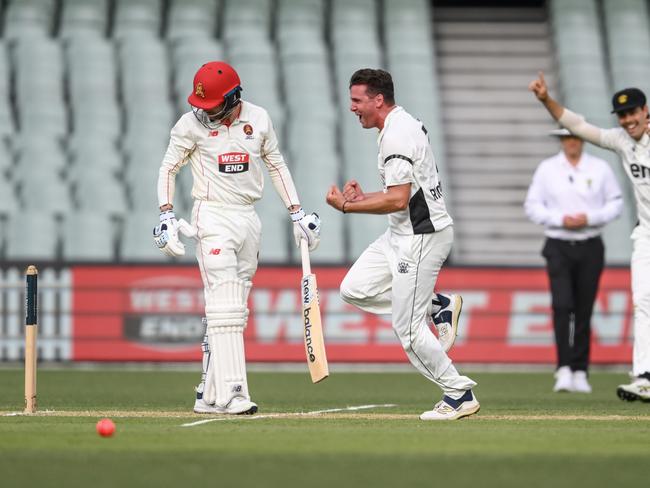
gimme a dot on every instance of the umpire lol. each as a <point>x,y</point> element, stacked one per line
<point>573,194</point>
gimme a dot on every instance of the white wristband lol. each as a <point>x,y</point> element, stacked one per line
<point>297,215</point>
<point>166,215</point>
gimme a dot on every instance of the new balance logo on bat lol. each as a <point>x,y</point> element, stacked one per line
<point>306,291</point>
<point>233,162</point>
<point>310,348</point>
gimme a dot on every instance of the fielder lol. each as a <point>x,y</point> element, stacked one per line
<point>397,273</point>
<point>632,144</point>
<point>226,142</point>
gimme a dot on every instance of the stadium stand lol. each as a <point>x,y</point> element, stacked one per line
<point>102,81</point>
<point>584,77</point>
<point>495,134</point>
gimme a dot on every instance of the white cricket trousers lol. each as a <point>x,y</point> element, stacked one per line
<point>396,275</point>
<point>640,267</point>
<point>229,241</point>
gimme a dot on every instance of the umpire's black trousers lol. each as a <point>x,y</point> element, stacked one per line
<point>574,269</point>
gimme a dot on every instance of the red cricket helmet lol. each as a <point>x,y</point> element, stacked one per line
<point>214,83</point>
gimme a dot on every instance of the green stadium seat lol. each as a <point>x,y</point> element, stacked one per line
<point>84,18</point>
<point>32,234</point>
<point>137,18</point>
<point>88,236</point>
<point>29,19</point>
<point>192,19</point>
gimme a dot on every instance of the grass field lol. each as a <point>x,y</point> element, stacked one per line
<point>524,435</point>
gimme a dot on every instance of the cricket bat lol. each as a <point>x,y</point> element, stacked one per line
<point>312,326</point>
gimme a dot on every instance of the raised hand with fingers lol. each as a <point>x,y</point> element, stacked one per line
<point>539,87</point>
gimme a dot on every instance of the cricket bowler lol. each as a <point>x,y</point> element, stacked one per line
<point>397,273</point>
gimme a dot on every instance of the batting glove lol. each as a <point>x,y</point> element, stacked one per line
<point>306,227</point>
<point>165,235</point>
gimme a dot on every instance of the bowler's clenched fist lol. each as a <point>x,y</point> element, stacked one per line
<point>335,198</point>
<point>352,191</point>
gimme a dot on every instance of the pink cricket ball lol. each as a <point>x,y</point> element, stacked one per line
<point>105,427</point>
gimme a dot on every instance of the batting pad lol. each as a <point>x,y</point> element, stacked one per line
<point>226,314</point>
<point>205,350</point>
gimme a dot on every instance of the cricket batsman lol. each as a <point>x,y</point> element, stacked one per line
<point>227,142</point>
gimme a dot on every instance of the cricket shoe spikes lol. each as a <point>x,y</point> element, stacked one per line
<point>450,409</point>
<point>639,389</point>
<point>446,319</point>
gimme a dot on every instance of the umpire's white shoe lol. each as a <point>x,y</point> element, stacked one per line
<point>446,320</point>
<point>563,379</point>
<point>450,409</point>
<point>639,389</point>
<point>237,406</point>
<point>580,383</point>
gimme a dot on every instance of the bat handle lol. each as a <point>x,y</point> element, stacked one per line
<point>304,253</point>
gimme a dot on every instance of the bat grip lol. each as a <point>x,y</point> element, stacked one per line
<point>304,253</point>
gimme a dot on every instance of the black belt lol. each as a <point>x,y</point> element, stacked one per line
<point>575,242</point>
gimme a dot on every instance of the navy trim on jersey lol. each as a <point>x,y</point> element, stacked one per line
<point>398,156</point>
<point>419,214</point>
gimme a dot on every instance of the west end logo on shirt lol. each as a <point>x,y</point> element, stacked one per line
<point>233,162</point>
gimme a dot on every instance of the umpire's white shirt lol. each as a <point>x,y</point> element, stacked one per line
<point>405,156</point>
<point>560,188</point>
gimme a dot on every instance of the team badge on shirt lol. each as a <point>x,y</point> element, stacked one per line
<point>248,130</point>
<point>403,267</point>
<point>233,162</point>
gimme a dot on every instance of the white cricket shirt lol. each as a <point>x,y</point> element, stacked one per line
<point>405,156</point>
<point>559,188</point>
<point>227,161</point>
<point>635,157</point>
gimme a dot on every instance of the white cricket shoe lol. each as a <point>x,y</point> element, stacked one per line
<point>639,389</point>
<point>237,406</point>
<point>241,406</point>
<point>446,320</point>
<point>580,383</point>
<point>445,409</point>
<point>563,379</point>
